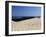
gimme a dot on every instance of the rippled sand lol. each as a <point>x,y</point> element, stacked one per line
<point>29,24</point>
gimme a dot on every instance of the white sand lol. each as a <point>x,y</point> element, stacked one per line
<point>29,24</point>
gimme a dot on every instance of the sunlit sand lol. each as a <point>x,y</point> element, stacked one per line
<point>25,25</point>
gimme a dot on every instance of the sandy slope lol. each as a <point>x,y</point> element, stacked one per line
<point>30,24</point>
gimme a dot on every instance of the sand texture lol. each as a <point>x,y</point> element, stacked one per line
<point>25,25</point>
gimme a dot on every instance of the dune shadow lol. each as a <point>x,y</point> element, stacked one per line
<point>22,18</point>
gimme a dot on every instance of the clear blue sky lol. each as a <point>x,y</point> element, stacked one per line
<point>26,11</point>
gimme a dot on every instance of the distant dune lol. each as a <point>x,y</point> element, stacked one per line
<point>25,25</point>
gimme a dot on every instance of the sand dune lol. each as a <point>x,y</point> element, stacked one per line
<point>29,24</point>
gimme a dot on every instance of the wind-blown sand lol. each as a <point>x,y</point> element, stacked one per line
<point>29,24</point>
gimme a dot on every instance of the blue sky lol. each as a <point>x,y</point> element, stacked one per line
<point>26,11</point>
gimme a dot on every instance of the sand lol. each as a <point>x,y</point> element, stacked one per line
<point>25,25</point>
